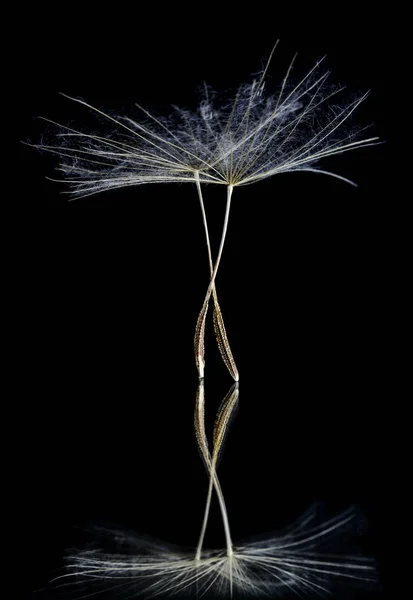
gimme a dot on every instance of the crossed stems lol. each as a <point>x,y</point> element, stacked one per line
<point>228,404</point>
<point>222,421</point>
<point>220,333</point>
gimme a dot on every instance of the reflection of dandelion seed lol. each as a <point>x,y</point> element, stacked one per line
<point>302,559</point>
<point>227,141</point>
<point>291,562</point>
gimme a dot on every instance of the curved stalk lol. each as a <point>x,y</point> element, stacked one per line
<point>219,327</point>
<point>220,430</point>
<point>199,345</point>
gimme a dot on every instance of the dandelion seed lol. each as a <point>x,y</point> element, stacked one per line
<point>231,142</point>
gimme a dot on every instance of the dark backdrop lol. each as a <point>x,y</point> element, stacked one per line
<point>113,285</point>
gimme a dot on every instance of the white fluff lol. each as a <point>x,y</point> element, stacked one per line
<point>291,563</point>
<point>228,140</point>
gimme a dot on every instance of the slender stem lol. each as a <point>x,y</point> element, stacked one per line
<point>204,220</point>
<point>219,326</point>
<point>211,468</point>
<point>200,359</point>
<point>221,245</point>
<point>213,482</point>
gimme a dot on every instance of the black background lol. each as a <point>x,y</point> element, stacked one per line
<point>112,286</point>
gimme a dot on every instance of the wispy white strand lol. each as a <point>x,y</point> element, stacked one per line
<point>228,141</point>
<point>297,560</point>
